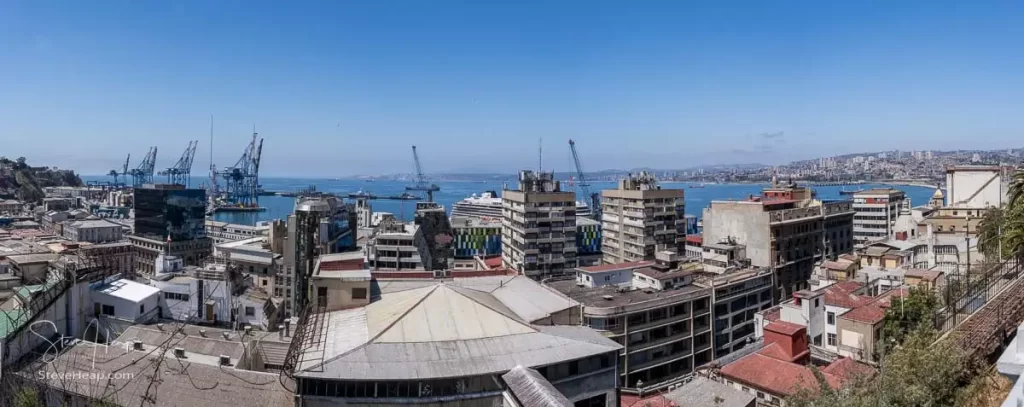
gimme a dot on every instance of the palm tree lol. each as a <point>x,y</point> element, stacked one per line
<point>989,232</point>
<point>1013,222</point>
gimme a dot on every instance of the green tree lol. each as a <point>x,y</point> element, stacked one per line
<point>27,398</point>
<point>990,231</point>
<point>920,372</point>
<point>907,314</point>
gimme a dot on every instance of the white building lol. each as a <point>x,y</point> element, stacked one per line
<point>974,186</point>
<point>93,231</point>
<point>124,299</point>
<point>608,274</point>
<point>875,214</point>
<point>192,293</point>
<point>11,206</point>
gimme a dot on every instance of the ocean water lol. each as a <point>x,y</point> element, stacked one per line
<point>696,198</point>
<point>453,191</point>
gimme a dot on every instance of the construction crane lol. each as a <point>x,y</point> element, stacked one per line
<point>143,174</point>
<point>595,198</point>
<point>123,174</point>
<point>242,181</point>
<point>421,181</point>
<point>180,173</point>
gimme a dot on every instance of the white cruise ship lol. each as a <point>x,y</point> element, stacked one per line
<point>488,205</point>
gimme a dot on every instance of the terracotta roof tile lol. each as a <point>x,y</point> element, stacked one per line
<point>783,327</point>
<point>841,295</point>
<point>785,378</point>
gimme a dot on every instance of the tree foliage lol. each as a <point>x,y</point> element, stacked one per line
<point>1004,227</point>
<point>907,314</point>
<point>920,372</point>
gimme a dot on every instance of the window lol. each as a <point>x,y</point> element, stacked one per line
<point>831,318</point>
<point>358,293</point>
<point>607,278</point>
<point>760,395</point>
<point>831,339</point>
<point>250,311</point>
<point>142,308</point>
<point>817,340</point>
<point>108,310</point>
<point>817,302</point>
<point>264,282</point>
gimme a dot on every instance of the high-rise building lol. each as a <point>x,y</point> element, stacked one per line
<point>785,229</point>
<point>319,225</point>
<point>169,220</point>
<point>588,242</point>
<point>639,219</point>
<point>876,213</point>
<point>538,227</point>
<point>476,237</point>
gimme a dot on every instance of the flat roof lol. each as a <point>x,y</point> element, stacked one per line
<point>614,267</point>
<point>128,290</point>
<point>880,191</point>
<point>609,296</point>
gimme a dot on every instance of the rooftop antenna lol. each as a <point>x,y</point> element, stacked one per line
<point>540,154</point>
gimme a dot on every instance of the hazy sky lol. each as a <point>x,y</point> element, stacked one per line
<point>339,88</point>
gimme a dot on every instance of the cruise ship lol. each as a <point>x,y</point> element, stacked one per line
<point>488,205</point>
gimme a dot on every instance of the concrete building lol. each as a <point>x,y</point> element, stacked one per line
<point>975,186</point>
<point>222,232</point>
<point>779,369</point>
<point>952,221</point>
<point>639,219</point>
<point>393,248</point>
<point>11,206</point>
<point>786,230</point>
<point>119,256</point>
<point>476,237</point>
<point>385,353</point>
<point>876,213</point>
<point>319,226</point>
<point>192,293</point>
<point>125,300</point>
<point>253,258</point>
<point>93,231</point>
<point>538,230</point>
<point>339,283</point>
<point>588,242</point>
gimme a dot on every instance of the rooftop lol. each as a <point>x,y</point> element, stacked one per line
<point>842,295</point>
<point>439,331</point>
<point>609,296</point>
<point>97,223</point>
<point>475,222</point>
<point>702,392</point>
<point>182,382</point>
<point>615,267</point>
<point>532,389</point>
<point>128,290</point>
<point>879,191</point>
<point>929,275</point>
<point>667,275</point>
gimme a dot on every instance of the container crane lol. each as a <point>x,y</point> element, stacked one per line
<point>180,173</point>
<point>123,175</point>
<point>143,174</point>
<point>421,181</point>
<point>242,181</point>
<point>595,198</point>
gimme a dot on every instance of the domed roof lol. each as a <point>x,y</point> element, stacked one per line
<point>938,193</point>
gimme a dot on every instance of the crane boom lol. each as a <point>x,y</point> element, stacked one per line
<point>419,169</point>
<point>421,180</point>
<point>595,199</point>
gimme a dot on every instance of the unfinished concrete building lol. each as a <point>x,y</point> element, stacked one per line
<point>785,229</point>
<point>640,219</point>
<point>538,230</point>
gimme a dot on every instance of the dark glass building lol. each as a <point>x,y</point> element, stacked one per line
<point>170,212</point>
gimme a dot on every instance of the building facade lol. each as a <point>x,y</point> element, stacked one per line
<point>538,229</point>
<point>639,219</point>
<point>588,242</point>
<point>476,237</point>
<point>785,229</point>
<point>876,213</point>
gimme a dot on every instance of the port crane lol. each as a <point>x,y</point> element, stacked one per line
<point>143,174</point>
<point>595,198</point>
<point>123,174</point>
<point>180,173</point>
<point>421,181</point>
<point>242,181</point>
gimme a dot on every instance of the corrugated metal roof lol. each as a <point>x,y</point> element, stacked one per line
<point>532,389</point>
<point>446,315</point>
<point>702,392</point>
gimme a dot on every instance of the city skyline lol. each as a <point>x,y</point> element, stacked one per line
<point>341,89</point>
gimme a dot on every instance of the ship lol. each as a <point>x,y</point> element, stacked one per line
<point>488,205</point>
<point>696,186</point>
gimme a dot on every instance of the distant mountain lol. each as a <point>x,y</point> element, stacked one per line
<point>21,181</point>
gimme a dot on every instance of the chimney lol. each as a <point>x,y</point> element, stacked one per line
<point>288,328</point>
<point>202,332</point>
<point>137,345</point>
<point>280,331</point>
<point>179,353</point>
<point>791,338</point>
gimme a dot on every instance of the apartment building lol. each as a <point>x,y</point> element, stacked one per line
<point>538,229</point>
<point>875,215</point>
<point>639,219</point>
<point>785,229</point>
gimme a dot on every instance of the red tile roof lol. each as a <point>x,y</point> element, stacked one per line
<point>841,295</point>
<point>696,239</point>
<point>848,369</point>
<point>616,266</point>
<point>774,375</point>
<point>783,327</point>
<point>870,313</point>
<point>493,262</point>
<point>355,264</point>
<point>837,265</point>
<point>632,400</point>
<point>930,275</point>
<point>776,351</point>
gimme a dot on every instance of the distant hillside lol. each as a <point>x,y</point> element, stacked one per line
<point>20,181</point>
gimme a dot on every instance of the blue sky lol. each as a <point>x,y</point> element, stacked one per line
<point>340,88</point>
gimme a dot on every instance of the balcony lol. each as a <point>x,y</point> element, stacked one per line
<point>793,215</point>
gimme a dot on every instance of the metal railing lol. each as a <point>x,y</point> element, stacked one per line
<point>969,291</point>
